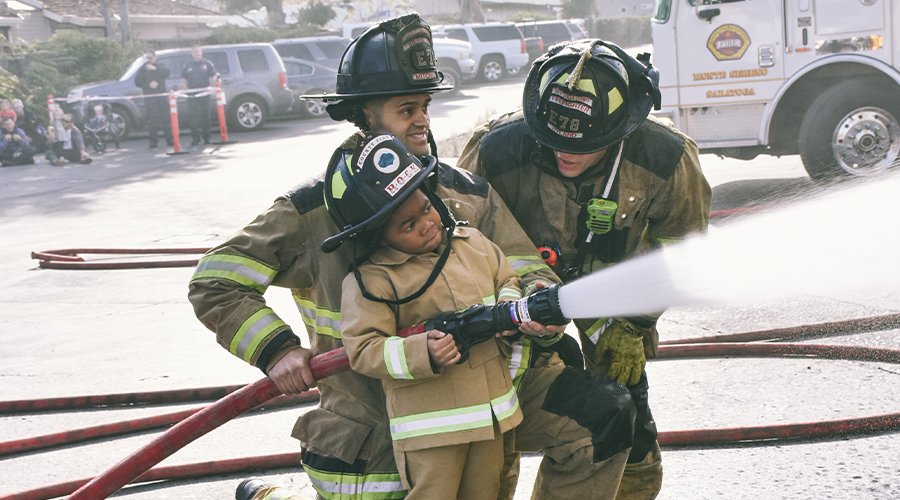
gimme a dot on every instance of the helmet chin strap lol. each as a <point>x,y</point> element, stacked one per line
<point>449,224</point>
<point>438,266</point>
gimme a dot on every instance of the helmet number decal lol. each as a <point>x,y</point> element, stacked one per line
<point>563,125</point>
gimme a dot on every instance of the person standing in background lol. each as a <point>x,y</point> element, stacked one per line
<point>198,73</point>
<point>151,78</point>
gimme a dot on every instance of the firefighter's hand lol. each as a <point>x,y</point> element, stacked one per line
<point>624,343</point>
<point>291,373</point>
<point>442,348</point>
<point>540,330</point>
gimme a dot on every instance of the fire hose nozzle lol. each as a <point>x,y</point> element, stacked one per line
<point>480,323</point>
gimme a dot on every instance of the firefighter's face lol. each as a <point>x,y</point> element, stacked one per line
<point>404,116</point>
<point>572,165</point>
<point>415,226</point>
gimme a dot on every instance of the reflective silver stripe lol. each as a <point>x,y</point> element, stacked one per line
<point>322,321</point>
<point>509,294</point>
<point>594,332</point>
<point>348,486</point>
<point>518,362</point>
<point>239,269</point>
<point>252,331</point>
<point>395,359</point>
<point>438,422</point>
<point>505,406</point>
<point>524,264</point>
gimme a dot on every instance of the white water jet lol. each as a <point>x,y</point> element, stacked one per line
<point>842,241</point>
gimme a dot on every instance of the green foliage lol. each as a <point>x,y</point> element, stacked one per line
<point>236,34</point>
<point>316,13</point>
<point>577,8</point>
<point>87,59</point>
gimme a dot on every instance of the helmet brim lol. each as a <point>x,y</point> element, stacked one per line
<point>379,93</point>
<point>333,242</point>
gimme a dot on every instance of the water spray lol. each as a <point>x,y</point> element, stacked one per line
<point>844,241</point>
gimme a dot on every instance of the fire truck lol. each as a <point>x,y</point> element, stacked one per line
<point>780,77</point>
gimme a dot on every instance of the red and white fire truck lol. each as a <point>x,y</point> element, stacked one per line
<point>814,77</point>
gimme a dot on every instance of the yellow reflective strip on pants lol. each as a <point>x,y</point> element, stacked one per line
<point>348,486</point>
<point>235,268</point>
<point>322,321</point>
<point>395,359</point>
<point>253,330</point>
<point>439,422</point>
<point>489,300</point>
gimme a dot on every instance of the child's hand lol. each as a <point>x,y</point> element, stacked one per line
<point>442,348</point>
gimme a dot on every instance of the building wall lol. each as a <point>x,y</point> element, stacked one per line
<point>34,27</point>
<point>623,8</point>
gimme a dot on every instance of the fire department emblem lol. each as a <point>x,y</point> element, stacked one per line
<point>728,42</point>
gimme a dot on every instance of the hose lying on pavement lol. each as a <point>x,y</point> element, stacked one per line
<point>760,435</point>
<point>254,394</point>
<point>129,426</point>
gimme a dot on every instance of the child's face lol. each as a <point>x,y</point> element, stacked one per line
<point>98,110</point>
<point>415,227</point>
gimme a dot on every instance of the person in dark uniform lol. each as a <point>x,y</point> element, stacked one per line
<point>151,78</point>
<point>198,73</point>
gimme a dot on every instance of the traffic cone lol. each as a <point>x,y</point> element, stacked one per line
<point>173,114</point>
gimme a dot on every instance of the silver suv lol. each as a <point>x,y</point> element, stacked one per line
<point>253,79</point>
<point>498,48</point>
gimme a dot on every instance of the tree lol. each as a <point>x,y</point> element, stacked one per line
<point>316,13</point>
<point>274,9</point>
<point>470,11</point>
<point>578,8</point>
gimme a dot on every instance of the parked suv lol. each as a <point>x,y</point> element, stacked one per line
<point>552,32</point>
<point>324,50</point>
<point>453,57</point>
<point>498,48</point>
<point>252,75</point>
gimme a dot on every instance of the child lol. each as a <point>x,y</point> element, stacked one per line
<point>446,419</point>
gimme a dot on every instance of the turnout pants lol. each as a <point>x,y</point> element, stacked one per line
<point>469,471</point>
<point>567,470</point>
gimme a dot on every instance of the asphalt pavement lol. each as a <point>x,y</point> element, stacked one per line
<point>85,332</point>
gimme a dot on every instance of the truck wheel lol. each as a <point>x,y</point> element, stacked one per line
<point>851,129</point>
<point>248,113</point>
<point>492,69</point>
<point>452,78</point>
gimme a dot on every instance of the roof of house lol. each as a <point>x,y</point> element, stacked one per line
<point>6,11</point>
<point>87,10</point>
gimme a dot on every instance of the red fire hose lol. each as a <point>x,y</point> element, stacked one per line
<point>768,434</point>
<point>128,426</point>
<point>198,424</point>
<point>70,258</point>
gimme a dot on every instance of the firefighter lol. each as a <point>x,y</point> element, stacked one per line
<point>594,180</point>
<point>386,79</point>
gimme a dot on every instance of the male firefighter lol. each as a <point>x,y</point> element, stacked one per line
<point>594,180</point>
<point>385,82</point>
